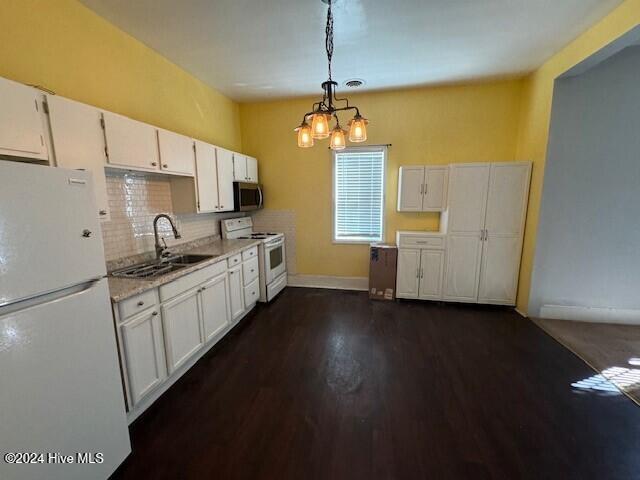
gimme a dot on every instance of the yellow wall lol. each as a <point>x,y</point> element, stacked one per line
<point>536,113</point>
<point>63,46</point>
<point>460,123</point>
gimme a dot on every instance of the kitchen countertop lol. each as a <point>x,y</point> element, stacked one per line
<point>121,288</point>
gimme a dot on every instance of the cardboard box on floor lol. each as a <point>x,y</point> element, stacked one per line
<point>382,271</point>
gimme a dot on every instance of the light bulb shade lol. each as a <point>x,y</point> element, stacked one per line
<point>305,139</point>
<point>358,129</point>
<point>320,125</point>
<point>338,141</point>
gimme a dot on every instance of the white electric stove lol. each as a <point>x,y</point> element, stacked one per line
<point>271,253</point>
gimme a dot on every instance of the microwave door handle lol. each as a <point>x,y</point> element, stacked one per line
<point>261,199</point>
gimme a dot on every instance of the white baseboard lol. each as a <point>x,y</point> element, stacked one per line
<point>591,314</point>
<point>326,281</point>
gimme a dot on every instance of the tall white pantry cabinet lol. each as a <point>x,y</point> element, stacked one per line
<point>483,227</point>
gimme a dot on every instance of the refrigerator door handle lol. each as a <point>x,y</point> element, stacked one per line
<point>46,298</point>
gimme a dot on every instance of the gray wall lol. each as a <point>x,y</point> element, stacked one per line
<point>588,245</point>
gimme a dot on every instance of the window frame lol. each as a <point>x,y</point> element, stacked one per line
<point>359,241</point>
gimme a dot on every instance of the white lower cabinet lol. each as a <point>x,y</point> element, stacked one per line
<point>143,353</point>
<point>252,293</point>
<point>420,274</point>
<point>236,292</point>
<point>408,275</point>
<point>165,330</point>
<point>182,333</point>
<point>215,305</point>
<point>431,273</point>
<point>420,269</point>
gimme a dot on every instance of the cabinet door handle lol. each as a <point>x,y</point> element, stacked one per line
<point>102,213</point>
<point>140,303</point>
<point>422,273</point>
<point>154,313</point>
<point>204,288</point>
<point>418,272</point>
<point>421,188</point>
<point>153,164</point>
<point>86,233</point>
<point>164,165</point>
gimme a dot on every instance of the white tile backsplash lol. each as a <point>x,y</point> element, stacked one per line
<point>134,200</point>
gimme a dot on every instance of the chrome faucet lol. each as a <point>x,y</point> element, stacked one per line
<point>160,250</point>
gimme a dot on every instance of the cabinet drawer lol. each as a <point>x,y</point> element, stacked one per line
<point>191,280</point>
<point>235,260</point>
<point>137,304</point>
<point>250,270</point>
<point>251,293</point>
<point>252,252</point>
<point>418,240</point>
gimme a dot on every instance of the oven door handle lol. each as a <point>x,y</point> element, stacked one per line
<point>274,243</point>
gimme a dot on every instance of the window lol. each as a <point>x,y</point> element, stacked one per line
<point>358,195</point>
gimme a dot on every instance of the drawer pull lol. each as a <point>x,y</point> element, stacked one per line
<point>153,164</point>
<point>154,313</point>
<point>140,303</point>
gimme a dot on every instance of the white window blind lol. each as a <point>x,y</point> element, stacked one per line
<point>359,195</point>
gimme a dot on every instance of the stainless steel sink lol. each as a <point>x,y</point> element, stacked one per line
<point>151,270</point>
<point>188,259</point>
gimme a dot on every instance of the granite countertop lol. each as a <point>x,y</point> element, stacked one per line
<point>122,288</point>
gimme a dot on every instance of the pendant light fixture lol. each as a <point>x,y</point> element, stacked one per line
<point>324,110</point>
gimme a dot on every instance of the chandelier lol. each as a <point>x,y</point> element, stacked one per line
<point>324,110</point>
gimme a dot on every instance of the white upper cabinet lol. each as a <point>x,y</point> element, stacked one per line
<point>435,189</point>
<point>252,170</point>
<point>422,189</point>
<point>206,177</point>
<point>239,167</point>
<point>410,188</point>
<point>225,179</point>
<point>22,125</point>
<point>78,141</point>
<point>131,144</point>
<point>213,187</point>
<point>176,153</point>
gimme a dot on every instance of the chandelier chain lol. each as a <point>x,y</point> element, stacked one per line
<point>329,37</point>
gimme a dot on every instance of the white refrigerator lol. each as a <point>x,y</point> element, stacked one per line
<point>61,398</point>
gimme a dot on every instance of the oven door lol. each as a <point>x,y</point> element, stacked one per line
<point>274,259</point>
<point>247,196</point>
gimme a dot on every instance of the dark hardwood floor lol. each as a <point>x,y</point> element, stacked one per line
<point>325,384</point>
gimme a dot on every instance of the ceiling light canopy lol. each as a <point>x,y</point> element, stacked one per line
<point>324,110</point>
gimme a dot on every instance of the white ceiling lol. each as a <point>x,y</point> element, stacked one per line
<point>257,49</point>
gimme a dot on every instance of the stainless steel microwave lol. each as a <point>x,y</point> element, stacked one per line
<point>247,196</point>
